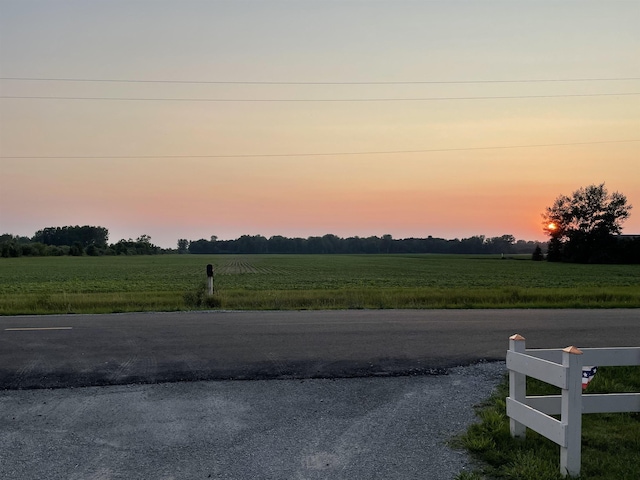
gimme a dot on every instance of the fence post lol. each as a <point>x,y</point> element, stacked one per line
<point>517,386</point>
<point>571,416</point>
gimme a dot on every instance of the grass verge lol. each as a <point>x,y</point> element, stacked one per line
<point>610,442</point>
<point>315,299</point>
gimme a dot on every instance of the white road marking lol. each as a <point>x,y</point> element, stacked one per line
<point>28,329</point>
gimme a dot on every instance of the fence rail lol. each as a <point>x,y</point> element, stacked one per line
<point>562,368</point>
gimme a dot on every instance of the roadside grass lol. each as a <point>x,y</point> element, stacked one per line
<point>610,442</point>
<point>277,282</point>
<point>63,303</point>
<point>385,298</point>
<point>333,299</point>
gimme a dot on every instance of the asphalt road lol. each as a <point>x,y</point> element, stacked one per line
<point>92,350</point>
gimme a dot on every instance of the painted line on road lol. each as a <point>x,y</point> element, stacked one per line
<point>29,329</point>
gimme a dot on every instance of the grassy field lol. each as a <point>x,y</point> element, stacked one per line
<point>35,285</point>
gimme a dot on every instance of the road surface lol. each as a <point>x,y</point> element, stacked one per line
<point>93,350</point>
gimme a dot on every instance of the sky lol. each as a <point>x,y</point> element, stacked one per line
<point>187,119</point>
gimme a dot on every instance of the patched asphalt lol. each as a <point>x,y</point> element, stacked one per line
<point>343,429</point>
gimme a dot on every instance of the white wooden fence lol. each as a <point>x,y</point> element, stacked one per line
<point>562,368</point>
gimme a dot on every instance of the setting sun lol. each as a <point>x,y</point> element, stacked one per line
<point>552,226</point>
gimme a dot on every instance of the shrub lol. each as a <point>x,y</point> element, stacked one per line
<point>199,298</point>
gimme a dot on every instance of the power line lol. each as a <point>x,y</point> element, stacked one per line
<point>270,155</point>
<point>241,82</point>
<point>315,100</point>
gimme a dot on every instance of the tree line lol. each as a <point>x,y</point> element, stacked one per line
<point>332,244</point>
<point>93,241</point>
<point>73,241</point>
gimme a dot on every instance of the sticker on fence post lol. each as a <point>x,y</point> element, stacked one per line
<point>587,375</point>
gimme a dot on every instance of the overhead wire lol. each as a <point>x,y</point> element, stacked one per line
<point>252,82</point>
<point>315,100</point>
<point>315,154</point>
<point>276,83</point>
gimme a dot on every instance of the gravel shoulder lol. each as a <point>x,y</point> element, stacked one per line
<point>351,428</point>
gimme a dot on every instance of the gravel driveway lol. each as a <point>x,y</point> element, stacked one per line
<point>359,428</point>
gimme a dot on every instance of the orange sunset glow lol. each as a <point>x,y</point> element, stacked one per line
<point>194,119</point>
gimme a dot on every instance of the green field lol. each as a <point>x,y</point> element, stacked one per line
<point>35,285</point>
